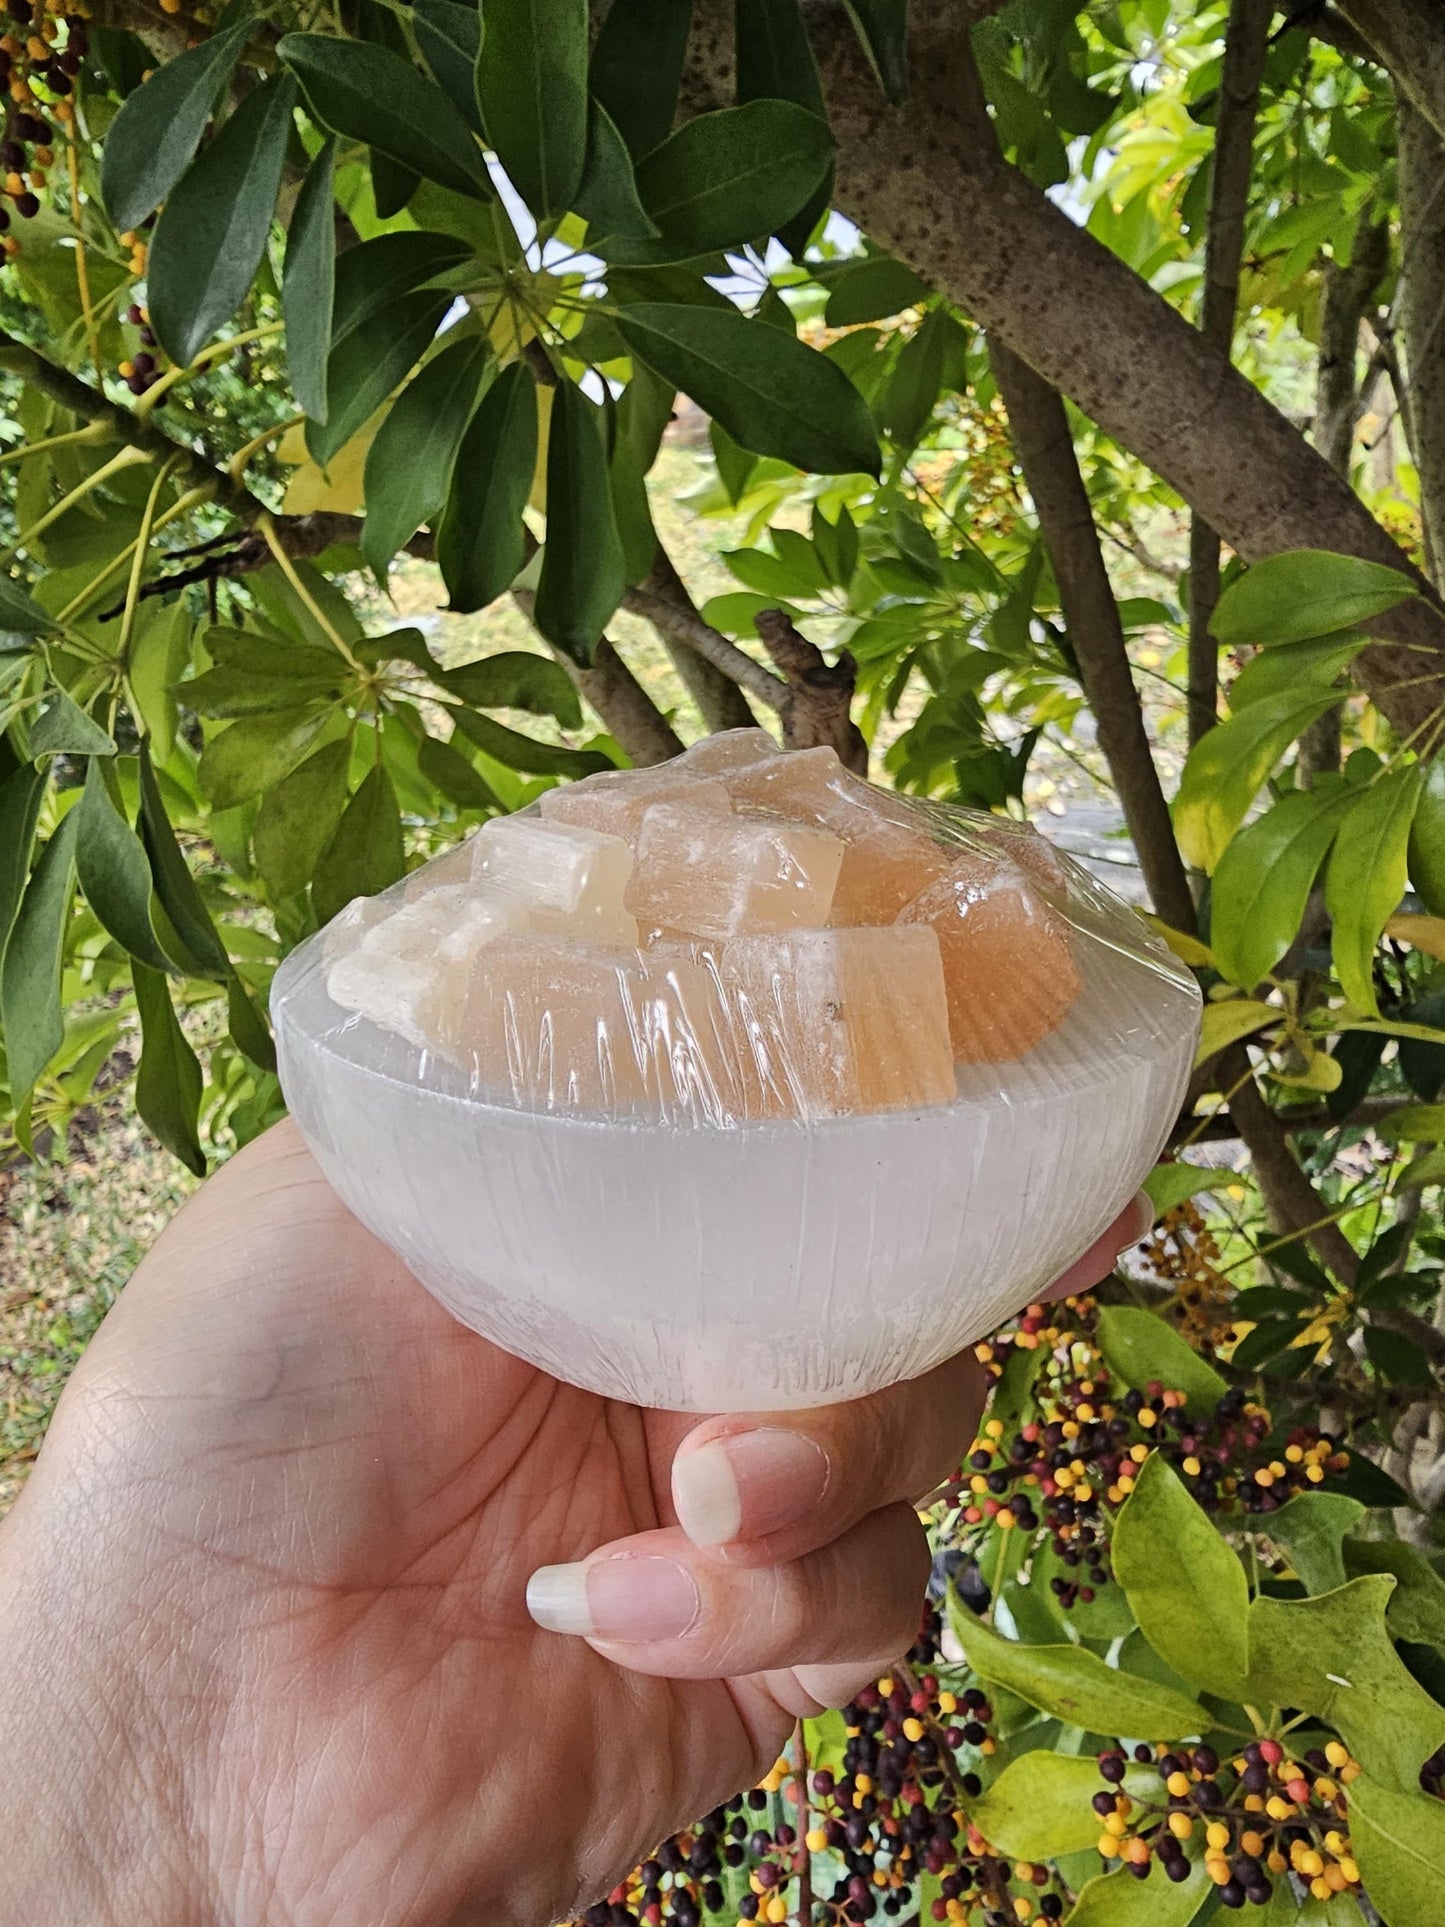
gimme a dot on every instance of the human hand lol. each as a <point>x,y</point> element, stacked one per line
<point>264,1601</point>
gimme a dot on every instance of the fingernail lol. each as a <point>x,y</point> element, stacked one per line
<point>747,1486</point>
<point>1141,1221</point>
<point>626,1599</point>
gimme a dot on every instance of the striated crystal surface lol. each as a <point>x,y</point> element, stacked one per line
<point>614,802</point>
<point>715,876</point>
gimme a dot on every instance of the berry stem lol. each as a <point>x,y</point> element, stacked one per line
<point>805,1852</point>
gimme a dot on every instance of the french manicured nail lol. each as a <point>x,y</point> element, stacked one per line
<point>747,1486</point>
<point>626,1599</point>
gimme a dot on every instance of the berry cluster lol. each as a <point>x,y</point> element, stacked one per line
<point>141,370</point>
<point>1182,1251</point>
<point>1262,1814</point>
<point>1059,1474</point>
<point>40,55</point>
<point>853,1841</point>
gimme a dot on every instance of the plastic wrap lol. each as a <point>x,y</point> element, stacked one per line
<point>737,1084</point>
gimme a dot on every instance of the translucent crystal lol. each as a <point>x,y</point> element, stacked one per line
<point>566,878</point>
<point>1008,960</point>
<point>614,801</point>
<point>587,1027</point>
<point>730,749</point>
<point>890,856</point>
<point>347,928</point>
<point>452,866</point>
<point>717,875</point>
<point>835,1021</point>
<point>387,989</point>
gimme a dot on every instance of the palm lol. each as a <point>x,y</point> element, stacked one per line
<point>381,1482</point>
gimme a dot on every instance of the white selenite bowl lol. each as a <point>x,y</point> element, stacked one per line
<point>765,1266</point>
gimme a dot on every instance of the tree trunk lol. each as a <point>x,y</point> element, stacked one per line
<point>1409,37</point>
<point>1422,246</point>
<point>1039,429</point>
<point>924,185</point>
<point>1245,44</point>
<point>1348,295</point>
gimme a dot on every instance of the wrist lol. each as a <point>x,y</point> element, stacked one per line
<point>95,1838</point>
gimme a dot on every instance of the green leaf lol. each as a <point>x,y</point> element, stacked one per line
<point>882,26</point>
<point>1118,1900</point>
<point>61,728</point>
<point>1366,877</point>
<point>480,543</point>
<point>1264,880</point>
<point>732,176</point>
<point>152,139</point>
<point>367,363</point>
<point>770,392</point>
<point>199,948</point>
<point>1286,667</point>
<point>168,1083</point>
<point>297,818</point>
<point>607,197</point>
<point>1140,1347</point>
<point>374,276</point>
<point>1312,1527</point>
<point>1307,592</point>
<point>450,772</point>
<point>871,290</point>
<point>1170,1184</point>
<point>365,851</point>
<point>532,92</point>
<point>1417,1606</point>
<point>254,754</point>
<point>640,418</point>
<point>637,65</point>
<point>448,37</point>
<point>115,872</point>
<point>774,56</point>
<point>516,679</point>
<point>1333,1656</point>
<point>1427,838</point>
<point>159,653</point>
<point>257,676</point>
<point>516,751</point>
<point>913,388</point>
<point>1185,1587</point>
<point>1399,1840</point>
<point>1077,1687</point>
<point>30,976</point>
<point>1012,1396</point>
<point>1415,1124</point>
<point>1397,1359</point>
<point>19,616</point>
<point>370,94</point>
<point>409,464</point>
<point>583,569</point>
<point>212,231</point>
<point>1039,1806</point>
<point>308,283</point>
<point>1228,767</point>
<point>21,795</point>
<point>248,1027</point>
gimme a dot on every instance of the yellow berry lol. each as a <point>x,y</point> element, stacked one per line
<point>1252,1843</point>
<point>1320,1889</point>
<point>1180,1825</point>
<point>864,1781</point>
<point>1277,1862</point>
<point>1278,1809</point>
<point>1349,1869</point>
<point>1108,1846</point>
<point>1192,1467</point>
<point>777,1907</point>
<point>1023,1909</point>
<point>1217,1867</point>
<point>1217,1834</point>
<point>1336,1754</point>
<point>1178,1785</point>
<point>1116,1824</point>
<point>815,1840</point>
<point>1138,1453</point>
<point>947,1703</point>
<point>994,1428</point>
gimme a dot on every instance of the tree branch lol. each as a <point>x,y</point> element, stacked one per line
<point>816,713</point>
<point>686,626</point>
<point>1408,37</point>
<point>1422,309</point>
<point>1246,42</point>
<point>719,699</point>
<point>617,696</point>
<point>1040,429</point>
<point>984,235</point>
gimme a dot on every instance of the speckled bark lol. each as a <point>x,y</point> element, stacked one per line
<point>987,237</point>
<point>1409,37</point>
<point>1422,227</point>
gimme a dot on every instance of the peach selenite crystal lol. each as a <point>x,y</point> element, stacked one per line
<point>1008,962</point>
<point>719,876</point>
